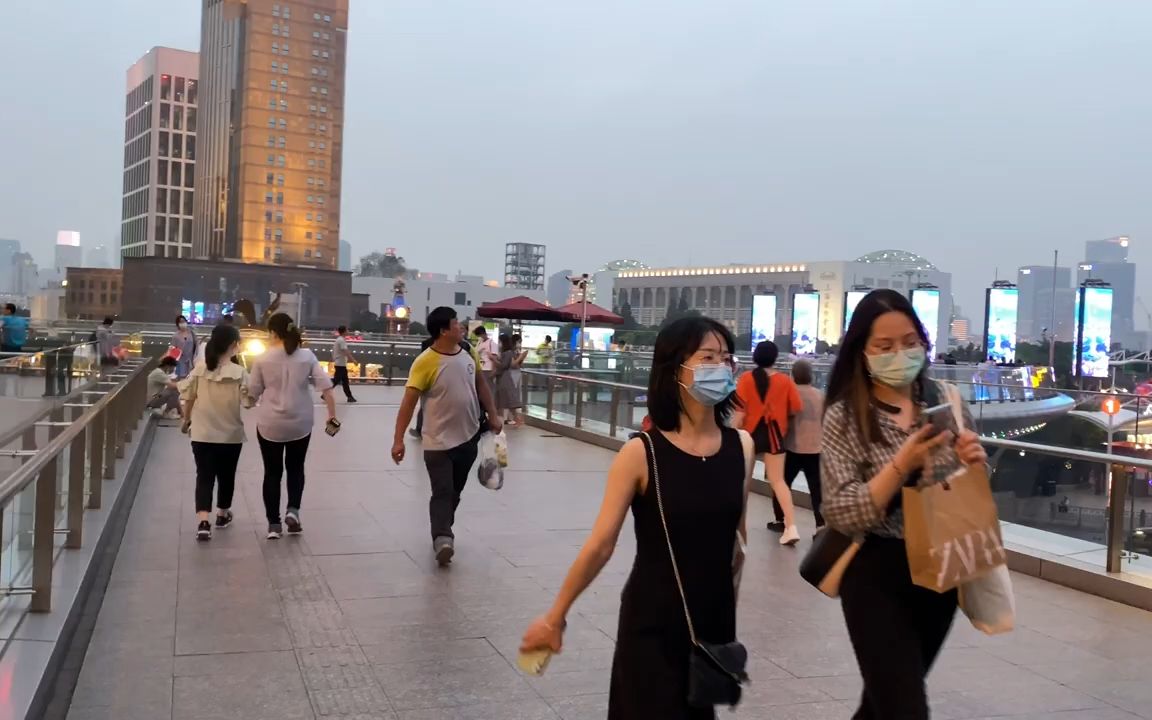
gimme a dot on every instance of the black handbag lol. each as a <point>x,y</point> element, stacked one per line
<point>827,560</point>
<point>716,671</point>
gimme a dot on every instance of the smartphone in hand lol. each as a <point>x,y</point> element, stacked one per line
<point>332,427</point>
<point>940,418</point>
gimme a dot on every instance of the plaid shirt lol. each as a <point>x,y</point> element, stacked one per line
<point>847,463</point>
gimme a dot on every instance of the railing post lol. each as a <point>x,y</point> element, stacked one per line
<point>76,475</point>
<point>109,416</point>
<point>548,404</point>
<point>1117,494</point>
<point>44,538</point>
<point>391,364</point>
<point>614,412</point>
<point>579,405</point>
<point>95,435</point>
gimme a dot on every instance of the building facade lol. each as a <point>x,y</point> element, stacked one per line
<point>271,131</point>
<point>464,293</point>
<point>159,289</point>
<point>559,288</point>
<point>1039,286</point>
<point>160,121</point>
<point>1107,260</point>
<point>524,266</point>
<point>9,249</point>
<point>67,252</point>
<point>725,293</point>
<point>92,293</point>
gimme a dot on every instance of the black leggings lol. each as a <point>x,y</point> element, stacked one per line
<point>809,464</point>
<point>278,457</point>
<point>897,630</point>
<point>215,463</point>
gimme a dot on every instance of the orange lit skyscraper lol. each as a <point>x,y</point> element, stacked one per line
<point>270,137</point>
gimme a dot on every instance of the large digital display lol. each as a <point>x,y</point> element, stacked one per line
<point>763,319</point>
<point>852,298</point>
<point>805,322</point>
<point>597,338</point>
<point>532,337</point>
<point>926,303</point>
<point>1094,331</point>
<point>1000,325</point>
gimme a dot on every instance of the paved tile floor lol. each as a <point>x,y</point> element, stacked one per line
<point>353,620</point>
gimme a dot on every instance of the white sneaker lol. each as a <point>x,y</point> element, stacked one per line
<point>791,536</point>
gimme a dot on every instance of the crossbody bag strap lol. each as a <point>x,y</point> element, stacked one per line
<point>648,442</point>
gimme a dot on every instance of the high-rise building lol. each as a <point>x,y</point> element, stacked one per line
<point>271,131</point>
<point>1036,314</point>
<point>25,274</point>
<point>345,256</point>
<point>524,266</point>
<point>8,251</point>
<point>159,154</point>
<point>559,288</point>
<point>1107,260</point>
<point>68,251</point>
<point>97,257</point>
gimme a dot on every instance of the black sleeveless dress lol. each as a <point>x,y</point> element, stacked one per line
<point>703,502</point>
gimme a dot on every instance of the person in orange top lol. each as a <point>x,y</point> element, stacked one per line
<point>768,400</point>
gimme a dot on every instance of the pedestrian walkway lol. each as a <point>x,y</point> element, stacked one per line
<point>354,621</point>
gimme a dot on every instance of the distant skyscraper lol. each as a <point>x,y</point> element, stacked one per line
<point>1107,260</point>
<point>524,266</point>
<point>68,251</point>
<point>26,276</point>
<point>98,257</point>
<point>8,251</point>
<point>159,154</point>
<point>1034,283</point>
<point>271,131</point>
<point>559,288</point>
<point>345,256</point>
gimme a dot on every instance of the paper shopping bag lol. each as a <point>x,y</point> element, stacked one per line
<point>952,530</point>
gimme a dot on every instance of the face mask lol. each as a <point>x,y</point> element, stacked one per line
<point>711,384</point>
<point>897,369</point>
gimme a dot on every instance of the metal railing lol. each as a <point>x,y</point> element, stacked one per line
<point>1024,480</point>
<point>65,457</point>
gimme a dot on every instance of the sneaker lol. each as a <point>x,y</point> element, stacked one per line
<point>352,400</point>
<point>224,520</point>
<point>445,549</point>
<point>791,536</point>
<point>274,531</point>
<point>776,527</point>
<point>204,531</point>
<point>292,520</point>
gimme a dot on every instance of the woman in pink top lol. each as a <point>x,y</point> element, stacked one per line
<point>802,446</point>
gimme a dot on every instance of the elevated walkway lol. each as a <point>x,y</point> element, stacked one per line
<point>353,620</point>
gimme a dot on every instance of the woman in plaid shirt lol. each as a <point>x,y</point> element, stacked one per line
<point>875,442</point>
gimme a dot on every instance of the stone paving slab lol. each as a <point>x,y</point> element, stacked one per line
<point>354,621</point>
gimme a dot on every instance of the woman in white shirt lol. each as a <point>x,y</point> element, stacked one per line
<point>283,380</point>
<point>214,393</point>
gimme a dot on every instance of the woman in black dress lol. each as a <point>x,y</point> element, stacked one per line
<point>704,471</point>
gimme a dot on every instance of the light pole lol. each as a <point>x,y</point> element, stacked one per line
<point>300,288</point>
<point>582,283</point>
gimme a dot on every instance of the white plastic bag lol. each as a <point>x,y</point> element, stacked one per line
<point>492,460</point>
<point>988,602</point>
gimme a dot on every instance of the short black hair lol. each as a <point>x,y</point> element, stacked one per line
<point>167,361</point>
<point>108,320</point>
<point>439,320</point>
<point>342,329</point>
<point>765,354</point>
<point>10,307</point>
<point>674,345</point>
<point>547,338</point>
<point>481,330</point>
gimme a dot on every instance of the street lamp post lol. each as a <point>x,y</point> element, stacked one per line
<point>582,283</point>
<point>300,288</point>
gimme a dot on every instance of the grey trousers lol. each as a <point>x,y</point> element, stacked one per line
<point>448,474</point>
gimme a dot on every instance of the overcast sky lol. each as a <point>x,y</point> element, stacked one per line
<point>981,134</point>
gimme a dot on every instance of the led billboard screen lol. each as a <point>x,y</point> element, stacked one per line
<point>805,322</point>
<point>926,302</point>
<point>852,298</point>
<point>763,318</point>
<point>1094,331</point>
<point>1000,324</point>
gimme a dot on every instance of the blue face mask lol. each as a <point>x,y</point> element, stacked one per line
<point>897,369</point>
<point>711,384</point>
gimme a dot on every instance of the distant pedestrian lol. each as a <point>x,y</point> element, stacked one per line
<point>802,444</point>
<point>283,380</point>
<point>163,390</point>
<point>340,357</point>
<point>215,391</point>
<point>546,354</point>
<point>184,344</point>
<point>487,352</point>
<point>445,376</point>
<point>107,343</point>
<point>508,400</point>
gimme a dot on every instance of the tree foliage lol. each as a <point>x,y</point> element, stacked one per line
<point>383,265</point>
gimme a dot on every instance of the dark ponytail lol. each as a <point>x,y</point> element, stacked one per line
<point>223,337</point>
<point>282,327</point>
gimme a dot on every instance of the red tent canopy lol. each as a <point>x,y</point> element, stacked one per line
<point>596,314</point>
<point>520,307</point>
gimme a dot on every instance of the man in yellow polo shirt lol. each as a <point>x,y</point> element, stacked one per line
<point>445,376</point>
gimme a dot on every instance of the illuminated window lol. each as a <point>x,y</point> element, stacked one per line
<point>323,109</point>
<point>319,236</point>
<point>280,180</point>
<point>287,12</point>
<point>283,124</point>
<point>275,48</point>
<point>315,71</point>
<point>280,160</point>
<point>309,198</point>
<point>283,104</point>
<point>275,28</point>
<point>275,66</point>
<point>284,31</point>
<point>311,180</point>
<point>283,86</point>
<point>323,127</point>
<point>323,91</point>
<point>279,236</point>
<point>327,18</point>
<point>284,49</point>
<point>268,197</point>
<point>324,54</point>
<point>284,69</point>
<point>313,90</point>
<point>315,53</point>
<point>316,34</point>
<point>321,199</point>
<point>271,122</point>
<point>282,142</point>
<point>275,11</point>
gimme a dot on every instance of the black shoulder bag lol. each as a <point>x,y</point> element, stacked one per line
<point>716,671</point>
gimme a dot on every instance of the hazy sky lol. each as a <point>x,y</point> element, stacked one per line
<point>981,134</point>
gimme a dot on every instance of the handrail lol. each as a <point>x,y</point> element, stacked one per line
<point>16,432</point>
<point>584,380</point>
<point>30,470</point>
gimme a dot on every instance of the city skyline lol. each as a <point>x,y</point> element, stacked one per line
<point>689,137</point>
